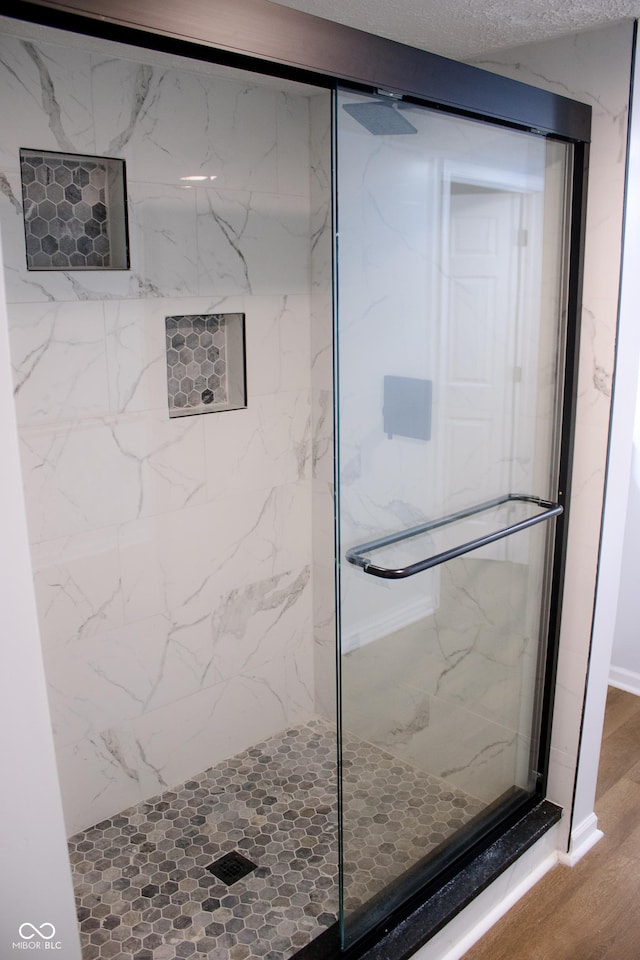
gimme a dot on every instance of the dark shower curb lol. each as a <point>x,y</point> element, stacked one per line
<point>413,925</point>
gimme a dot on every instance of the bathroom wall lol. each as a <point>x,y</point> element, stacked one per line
<point>625,656</point>
<point>171,557</point>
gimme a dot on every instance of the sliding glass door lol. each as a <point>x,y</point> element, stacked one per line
<point>451,249</point>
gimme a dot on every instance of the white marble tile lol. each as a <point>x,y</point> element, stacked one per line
<point>92,474</point>
<point>258,631</point>
<point>321,332</point>
<point>277,331</point>
<point>45,99</point>
<point>125,93</point>
<point>98,779</point>
<point>252,243</point>
<point>169,460</point>
<point>240,135</point>
<point>170,123</point>
<point>298,664</point>
<point>320,145</point>
<point>199,731</point>
<point>59,361</point>
<point>76,479</point>
<point>254,625</point>
<point>568,700</point>
<point>162,229</point>
<point>77,583</point>
<point>266,445</point>
<point>180,562</point>
<point>292,119</point>
<point>322,443</point>
<point>295,343</point>
<point>136,354</point>
<point>264,364</point>
<point>560,787</point>
<point>100,682</point>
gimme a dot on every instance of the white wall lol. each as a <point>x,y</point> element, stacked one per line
<point>36,887</point>
<point>625,657</point>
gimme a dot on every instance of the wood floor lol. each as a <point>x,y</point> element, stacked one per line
<point>590,911</point>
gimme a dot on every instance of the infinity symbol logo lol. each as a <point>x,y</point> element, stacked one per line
<point>40,932</point>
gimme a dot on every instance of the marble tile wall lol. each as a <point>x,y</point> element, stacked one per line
<point>171,557</point>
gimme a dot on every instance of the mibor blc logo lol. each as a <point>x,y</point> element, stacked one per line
<point>36,938</point>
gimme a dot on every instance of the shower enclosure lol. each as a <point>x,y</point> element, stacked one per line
<point>451,292</point>
<point>299,628</point>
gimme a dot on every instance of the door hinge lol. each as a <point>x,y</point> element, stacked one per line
<point>522,238</point>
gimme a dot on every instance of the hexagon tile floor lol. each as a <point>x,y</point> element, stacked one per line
<point>141,880</point>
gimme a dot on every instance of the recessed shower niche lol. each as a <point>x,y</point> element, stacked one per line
<point>75,211</point>
<point>206,363</point>
<point>185,566</point>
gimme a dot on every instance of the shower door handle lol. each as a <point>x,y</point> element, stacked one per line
<point>357,555</point>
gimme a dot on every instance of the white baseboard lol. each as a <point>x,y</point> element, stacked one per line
<point>490,919</point>
<point>381,626</point>
<point>583,837</point>
<point>624,679</point>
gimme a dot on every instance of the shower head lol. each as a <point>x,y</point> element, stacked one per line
<point>380,118</point>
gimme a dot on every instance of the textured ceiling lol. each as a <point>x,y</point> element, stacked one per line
<point>465,28</point>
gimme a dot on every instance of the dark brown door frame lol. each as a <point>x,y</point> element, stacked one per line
<point>270,38</point>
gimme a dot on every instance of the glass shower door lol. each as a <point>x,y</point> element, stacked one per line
<point>450,303</point>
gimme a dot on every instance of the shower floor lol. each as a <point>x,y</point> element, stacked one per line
<point>141,883</point>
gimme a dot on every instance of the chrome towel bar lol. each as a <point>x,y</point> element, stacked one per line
<point>356,555</point>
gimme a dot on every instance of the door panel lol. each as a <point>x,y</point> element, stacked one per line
<point>450,293</point>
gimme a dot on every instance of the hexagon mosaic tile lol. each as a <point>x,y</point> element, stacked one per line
<point>205,363</point>
<point>143,890</point>
<point>68,205</point>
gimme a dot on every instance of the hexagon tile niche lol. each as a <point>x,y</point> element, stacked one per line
<point>75,214</point>
<point>205,363</point>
